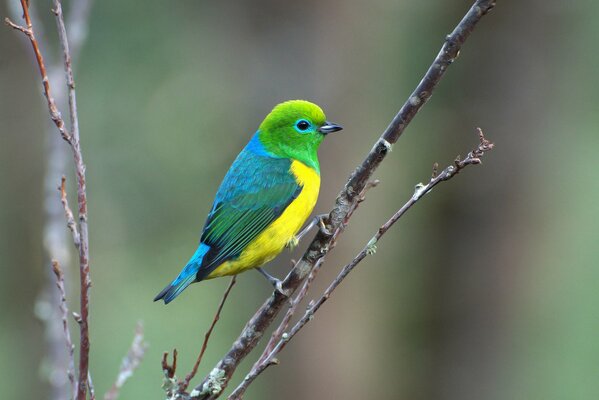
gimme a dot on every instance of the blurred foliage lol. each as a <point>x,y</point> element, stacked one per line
<point>486,290</point>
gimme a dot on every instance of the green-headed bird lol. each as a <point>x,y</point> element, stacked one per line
<point>266,196</point>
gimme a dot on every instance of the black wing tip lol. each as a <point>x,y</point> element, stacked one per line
<point>163,295</point>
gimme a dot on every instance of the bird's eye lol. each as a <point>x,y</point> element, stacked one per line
<point>302,125</point>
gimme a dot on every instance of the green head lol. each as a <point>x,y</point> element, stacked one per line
<point>294,129</point>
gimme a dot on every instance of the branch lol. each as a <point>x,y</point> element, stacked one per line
<point>84,272</point>
<point>130,363</point>
<point>170,384</point>
<point>185,383</point>
<point>251,334</point>
<point>72,139</point>
<point>64,310</point>
<point>473,158</point>
<point>52,108</point>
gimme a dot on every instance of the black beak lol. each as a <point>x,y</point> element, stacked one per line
<point>329,127</point>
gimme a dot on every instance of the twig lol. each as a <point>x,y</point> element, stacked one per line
<point>130,362</point>
<point>72,138</point>
<point>264,316</point>
<point>170,383</point>
<point>28,31</point>
<point>473,158</point>
<point>64,310</point>
<point>185,383</point>
<point>169,370</point>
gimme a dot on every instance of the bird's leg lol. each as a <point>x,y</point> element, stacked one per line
<point>277,283</point>
<point>317,220</point>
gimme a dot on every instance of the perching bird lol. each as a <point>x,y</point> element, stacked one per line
<point>266,196</point>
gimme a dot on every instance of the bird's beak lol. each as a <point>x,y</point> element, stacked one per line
<point>329,127</point>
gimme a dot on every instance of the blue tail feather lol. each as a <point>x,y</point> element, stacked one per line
<point>185,278</point>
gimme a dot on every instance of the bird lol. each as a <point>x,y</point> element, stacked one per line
<point>265,198</point>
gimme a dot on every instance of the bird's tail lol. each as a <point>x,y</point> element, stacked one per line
<point>185,278</point>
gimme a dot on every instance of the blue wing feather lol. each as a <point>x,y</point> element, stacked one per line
<point>253,194</point>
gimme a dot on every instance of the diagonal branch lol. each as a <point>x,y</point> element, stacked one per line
<point>473,158</point>
<point>253,331</point>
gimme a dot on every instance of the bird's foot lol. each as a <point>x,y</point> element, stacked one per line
<point>323,227</point>
<point>317,220</point>
<point>279,288</point>
<point>276,283</point>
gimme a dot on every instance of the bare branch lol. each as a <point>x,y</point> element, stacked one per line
<point>185,383</point>
<point>170,384</point>
<point>52,108</point>
<point>130,363</point>
<point>26,31</point>
<point>64,310</point>
<point>473,158</point>
<point>84,272</point>
<point>320,246</point>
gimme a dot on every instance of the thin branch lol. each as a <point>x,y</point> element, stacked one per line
<point>55,241</point>
<point>185,383</point>
<point>84,271</point>
<point>28,31</point>
<point>73,139</point>
<point>473,158</point>
<point>64,310</point>
<point>169,370</point>
<point>320,246</point>
<point>130,362</point>
<point>170,383</point>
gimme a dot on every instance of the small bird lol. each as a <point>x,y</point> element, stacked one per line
<point>265,198</point>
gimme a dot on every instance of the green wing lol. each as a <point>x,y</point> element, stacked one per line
<point>254,193</point>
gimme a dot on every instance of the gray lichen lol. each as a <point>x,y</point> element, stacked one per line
<point>214,383</point>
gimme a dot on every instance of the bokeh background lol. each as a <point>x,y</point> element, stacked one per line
<point>487,289</point>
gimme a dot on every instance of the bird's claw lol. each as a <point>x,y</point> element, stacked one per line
<point>323,227</point>
<point>279,288</point>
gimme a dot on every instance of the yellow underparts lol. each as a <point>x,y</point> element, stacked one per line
<point>276,236</point>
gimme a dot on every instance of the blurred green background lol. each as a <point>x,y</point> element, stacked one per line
<point>487,289</point>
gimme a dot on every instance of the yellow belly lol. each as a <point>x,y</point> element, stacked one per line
<point>275,237</point>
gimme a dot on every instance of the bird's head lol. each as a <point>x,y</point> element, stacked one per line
<point>294,129</point>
